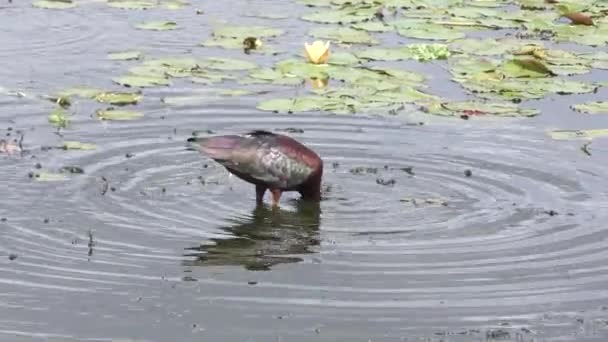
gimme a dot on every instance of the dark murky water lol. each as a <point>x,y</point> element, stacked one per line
<point>166,248</point>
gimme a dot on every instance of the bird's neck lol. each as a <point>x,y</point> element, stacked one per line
<point>311,190</point>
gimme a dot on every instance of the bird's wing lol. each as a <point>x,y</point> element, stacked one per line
<point>270,164</point>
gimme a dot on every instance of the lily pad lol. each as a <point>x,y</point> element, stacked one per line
<point>132,4</point>
<point>373,26</point>
<point>46,176</point>
<point>343,35</point>
<point>118,115</point>
<point>81,91</point>
<point>125,55</point>
<point>54,4</point>
<point>119,99</point>
<point>142,81</point>
<point>596,107</point>
<point>526,67</point>
<point>77,145</point>
<point>59,118</point>
<point>228,64</point>
<point>586,134</point>
<point>343,58</point>
<point>157,25</point>
<point>476,108</point>
<point>341,16</point>
<point>419,52</point>
<point>242,32</point>
<point>427,30</point>
<point>174,4</point>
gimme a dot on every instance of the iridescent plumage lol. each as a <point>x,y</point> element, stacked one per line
<point>271,161</point>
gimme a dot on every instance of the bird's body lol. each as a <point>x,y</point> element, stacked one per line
<point>271,161</point>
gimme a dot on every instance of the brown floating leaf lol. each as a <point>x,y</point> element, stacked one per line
<point>579,18</point>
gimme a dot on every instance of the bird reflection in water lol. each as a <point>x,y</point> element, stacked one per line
<point>266,238</point>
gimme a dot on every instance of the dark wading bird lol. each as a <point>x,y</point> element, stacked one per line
<point>270,161</point>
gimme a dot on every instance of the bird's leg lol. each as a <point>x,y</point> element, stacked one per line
<point>259,194</point>
<point>276,196</point>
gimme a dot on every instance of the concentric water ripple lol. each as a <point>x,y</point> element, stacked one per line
<point>489,226</point>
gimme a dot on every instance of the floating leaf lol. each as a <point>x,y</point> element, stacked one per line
<point>187,63</point>
<point>174,4</point>
<point>118,99</point>
<point>83,91</point>
<point>342,16</point>
<point>372,26</point>
<point>76,145</point>
<point>343,35</point>
<point>578,134</point>
<point>235,92</point>
<point>302,69</point>
<point>592,107</point>
<point>142,81</point>
<point>125,55</point>
<point>229,64</point>
<point>46,176</point>
<point>485,47</point>
<point>157,25</point>
<point>132,4</point>
<point>117,115</point>
<point>426,30</point>
<point>343,58</point>
<point>525,67</point>
<point>54,4</point>
<point>420,52</point>
<point>242,32</point>
<point>59,118</point>
<point>476,108</point>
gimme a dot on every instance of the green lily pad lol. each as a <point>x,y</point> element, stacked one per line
<point>132,4</point>
<point>204,76</point>
<point>157,25</point>
<point>174,62</point>
<point>341,16</point>
<point>228,64</point>
<point>119,99</point>
<point>141,81</point>
<point>235,92</point>
<point>596,107</point>
<point>586,134</point>
<point>426,30</point>
<point>125,55</point>
<point>485,47</point>
<point>77,145</point>
<point>373,26</point>
<point>343,35</point>
<point>242,32</point>
<point>174,4</point>
<point>59,118</point>
<point>419,52</point>
<point>54,4</point>
<point>46,176</point>
<point>302,104</point>
<point>302,69</point>
<point>525,67</point>
<point>343,58</point>
<point>82,91</point>
<point>118,115</point>
<point>477,108</point>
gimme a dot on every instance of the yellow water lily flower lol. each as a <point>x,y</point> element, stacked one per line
<point>317,52</point>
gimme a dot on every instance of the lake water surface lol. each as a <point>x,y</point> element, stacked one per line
<point>156,243</point>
